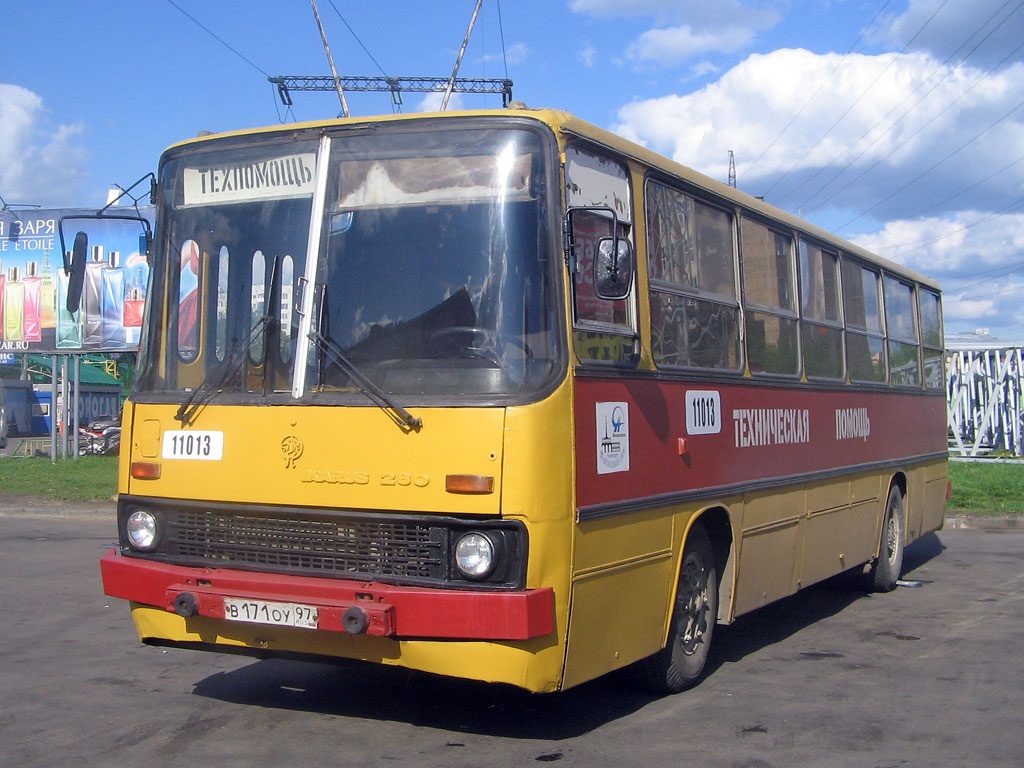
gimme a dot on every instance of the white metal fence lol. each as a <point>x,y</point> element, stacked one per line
<point>985,400</point>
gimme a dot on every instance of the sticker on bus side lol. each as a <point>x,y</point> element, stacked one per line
<point>612,438</point>
<point>703,412</point>
<point>193,444</point>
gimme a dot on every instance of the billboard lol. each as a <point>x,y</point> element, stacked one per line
<point>33,284</point>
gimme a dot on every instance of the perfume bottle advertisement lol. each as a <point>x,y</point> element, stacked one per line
<point>34,285</point>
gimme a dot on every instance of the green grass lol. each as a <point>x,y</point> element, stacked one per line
<point>84,479</point>
<point>994,489</point>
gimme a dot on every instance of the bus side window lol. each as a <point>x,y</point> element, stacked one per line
<point>769,298</point>
<point>188,301</point>
<point>931,335</point>
<point>865,339</point>
<point>901,330</point>
<point>222,303</point>
<point>691,266</point>
<point>821,329</point>
<point>258,300</point>
<point>287,291</point>
<point>604,330</point>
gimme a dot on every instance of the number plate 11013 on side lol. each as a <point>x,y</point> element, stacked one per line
<point>193,444</point>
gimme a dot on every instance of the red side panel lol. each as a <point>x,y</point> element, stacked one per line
<point>737,434</point>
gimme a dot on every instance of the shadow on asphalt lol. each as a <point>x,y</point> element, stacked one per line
<point>370,691</point>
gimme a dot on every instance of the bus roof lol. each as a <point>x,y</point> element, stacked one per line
<point>562,122</point>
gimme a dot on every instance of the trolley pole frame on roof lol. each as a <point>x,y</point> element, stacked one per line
<point>394,85</point>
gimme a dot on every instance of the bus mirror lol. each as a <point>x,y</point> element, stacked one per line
<point>76,276</point>
<point>145,242</point>
<point>613,268</point>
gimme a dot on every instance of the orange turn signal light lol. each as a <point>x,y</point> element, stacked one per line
<point>469,483</point>
<point>145,470</point>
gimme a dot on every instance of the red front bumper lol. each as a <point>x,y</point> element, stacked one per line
<point>391,611</point>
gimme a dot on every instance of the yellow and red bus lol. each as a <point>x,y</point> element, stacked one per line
<point>503,396</point>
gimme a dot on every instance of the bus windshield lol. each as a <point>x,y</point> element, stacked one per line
<point>433,274</point>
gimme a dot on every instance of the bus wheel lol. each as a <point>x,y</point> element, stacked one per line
<point>679,664</point>
<point>888,567</point>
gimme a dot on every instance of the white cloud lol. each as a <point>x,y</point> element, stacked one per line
<point>697,13</point>
<point>39,165</point>
<point>675,44</point>
<point>517,53</point>
<point>969,243</point>
<point>587,56</point>
<point>942,189</point>
<point>986,31</point>
<point>976,256</point>
<point>685,28</point>
<point>797,152</point>
<point>703,68</point>
<point>431,102</point>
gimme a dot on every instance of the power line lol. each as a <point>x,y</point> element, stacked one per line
<point>910,109</point>
<point>1012,267</point>
<point>856,101</point>
<point>921,243</point>
<point>935,165</point>
<point>365,49</point>
<point>501,31</point>
<point>821,85</point>
<point>218,39</point>
<point>1007,289</point>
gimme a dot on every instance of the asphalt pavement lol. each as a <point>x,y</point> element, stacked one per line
<point>926,676</point>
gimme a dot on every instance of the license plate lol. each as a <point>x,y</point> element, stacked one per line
<point>193,444</point>
<point>264,612</point>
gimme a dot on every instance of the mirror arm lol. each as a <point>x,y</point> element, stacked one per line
<point>152,192</point>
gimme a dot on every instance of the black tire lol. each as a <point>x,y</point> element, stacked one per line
<point>680,664</point>
<point>888,567</point>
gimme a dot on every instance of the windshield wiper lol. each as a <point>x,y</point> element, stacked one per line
<point>398,414</point>
<point>211,384</point>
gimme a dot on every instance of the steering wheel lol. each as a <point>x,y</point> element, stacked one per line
<point>469,334</point>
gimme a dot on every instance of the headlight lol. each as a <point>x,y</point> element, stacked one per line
<point>141,529</point>
<point>475,556</point>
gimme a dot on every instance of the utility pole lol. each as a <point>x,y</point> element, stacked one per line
<point>732,170</point>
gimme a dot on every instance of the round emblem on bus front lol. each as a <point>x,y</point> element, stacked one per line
<point>291,449</point>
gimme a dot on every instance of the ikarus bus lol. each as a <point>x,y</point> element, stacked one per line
<point>502,396</point>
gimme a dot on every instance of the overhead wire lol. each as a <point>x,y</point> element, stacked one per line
<point>910,109</point>
<point>856,101</point>
<point>1007,289</point>
<point>220,40</point>
<point>934,165</point>
<point>501,31</point>
<point>821,85</point>
<point>918,244</point>
<point>1011,267</point>
<point>361,45</point>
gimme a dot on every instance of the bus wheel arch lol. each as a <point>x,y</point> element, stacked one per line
<point>706,555</point>
<point>888,566</point>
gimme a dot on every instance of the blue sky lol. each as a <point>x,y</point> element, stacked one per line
<point>899,124</point>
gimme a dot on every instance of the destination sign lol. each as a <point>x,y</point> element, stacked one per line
<point>268,179</point>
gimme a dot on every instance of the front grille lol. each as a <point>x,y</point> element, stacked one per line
<point>339,547</point>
